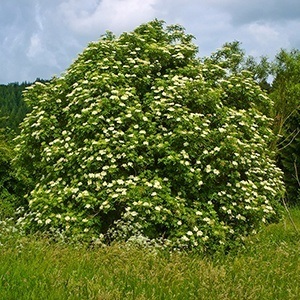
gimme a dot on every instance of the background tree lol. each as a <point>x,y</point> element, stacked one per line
<point>230,57</point>
<point>140,140</point>
<point>233,58</point>
<point>261,70</point>
<point>286,97</point>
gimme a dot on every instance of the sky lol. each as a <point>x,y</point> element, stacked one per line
<point>41,38</point>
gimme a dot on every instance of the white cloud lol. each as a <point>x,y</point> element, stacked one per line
<point>263,38</point>
<point>40,54</point>
<point>97,17</point>
<point>35,46</point>
<point>263,33</point>
<point>38,16</point>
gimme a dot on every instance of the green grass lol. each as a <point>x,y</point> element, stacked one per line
<point>267,268</point>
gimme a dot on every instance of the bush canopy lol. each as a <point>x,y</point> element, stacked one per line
<point>140,140</point>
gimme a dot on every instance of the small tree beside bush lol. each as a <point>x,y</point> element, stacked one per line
<point>286,97</point>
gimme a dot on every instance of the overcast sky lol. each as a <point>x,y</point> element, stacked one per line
<point>41,38</point>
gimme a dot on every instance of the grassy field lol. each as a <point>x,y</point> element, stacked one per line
<point>267,268</point>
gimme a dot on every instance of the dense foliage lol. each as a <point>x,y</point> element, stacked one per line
<point>5,177</point>
<point>12,186</point>
<point>13,109</point>
<point>140,140</point>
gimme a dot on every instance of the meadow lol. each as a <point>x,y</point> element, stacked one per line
<point>266,267</point>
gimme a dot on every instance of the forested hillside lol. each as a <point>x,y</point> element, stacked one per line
<point>12,108</point>
<point>12,112</point>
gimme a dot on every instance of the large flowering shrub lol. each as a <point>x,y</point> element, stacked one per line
<point>140,140</point>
